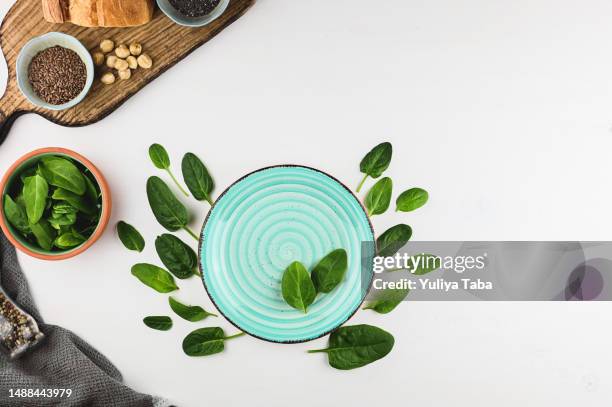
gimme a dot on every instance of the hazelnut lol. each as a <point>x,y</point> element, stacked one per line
<point>122,51</point>
<point>98,58</point>
<point>111,60</point>
<point>132,63</point>
<point>108,78</point>
<point>144,61</point>
<point>107,46</point>
<point>135,48</point>
<point>121,64</point>
<point>125,74</point>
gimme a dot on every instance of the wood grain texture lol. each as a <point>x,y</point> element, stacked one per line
<point>166,43</point>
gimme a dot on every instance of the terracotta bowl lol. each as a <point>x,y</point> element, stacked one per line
<point>27,161</point>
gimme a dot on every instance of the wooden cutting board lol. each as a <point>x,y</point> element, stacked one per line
<point>165,41</point>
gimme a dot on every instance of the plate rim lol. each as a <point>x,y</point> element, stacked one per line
<point>201,240</point>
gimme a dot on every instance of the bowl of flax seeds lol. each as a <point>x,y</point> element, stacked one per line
<point>54,71</point>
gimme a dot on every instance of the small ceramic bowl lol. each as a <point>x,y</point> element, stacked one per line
<point>37,44</point>
<point>180,19</point>
<point>26,162</point>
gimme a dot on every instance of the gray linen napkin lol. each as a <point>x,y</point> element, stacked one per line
<point>61,361</point>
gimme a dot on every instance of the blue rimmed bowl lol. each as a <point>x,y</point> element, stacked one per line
<point>264,222</point>
<point>40,43</point>
<point>172,13</point>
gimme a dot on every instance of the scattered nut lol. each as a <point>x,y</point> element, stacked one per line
<point>108,78</point>
<point>145,61</point>
<point>107,46</point>
<point>125,74</point>
<point>111,60</point>
<point>98,58</point>
<point>122,51</point>
<point>121,64</point>
<point>135,48</point>
<point>122,59</point>
<point>132,63</point>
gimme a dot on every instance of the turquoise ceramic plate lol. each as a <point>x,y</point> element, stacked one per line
<point>264,222</point>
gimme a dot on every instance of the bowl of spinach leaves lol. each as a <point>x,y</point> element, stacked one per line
<point>55,203</point>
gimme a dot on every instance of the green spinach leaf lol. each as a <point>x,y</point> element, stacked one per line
<point>197,178</point>
<point>19,199</point>
<point>168,210</point>
<point>387,300</point>
<point>330,271</point>
<point>44,234</point>
<point>61,194</point>
<point>393,239</point>
<point>188,312</point>
<point>155,277</point>
<point>178,257</point>
<point>35,191</point>
<point>159,156</point>
<point>375,162</point>
<point>62,208</point>
<point>160,323</point>
<point>16,215</point>
<point>69,240</point>
<point>206,341</point>
<point>351,347</point>
<point>411,199</point>
<point>130,237</point>
<point>62,173</point>
<point>298,289</point>
<point>161,160</point>
<point>91,190</point>
<point>60,218</point>
<point>379,197</point>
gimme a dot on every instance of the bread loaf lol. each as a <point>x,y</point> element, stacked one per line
<point>98,13</point>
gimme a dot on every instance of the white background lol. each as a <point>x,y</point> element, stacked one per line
<point>501,109</point>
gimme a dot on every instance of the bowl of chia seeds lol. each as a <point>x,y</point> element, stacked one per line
<point>54,71</point>
<point>193,13</point>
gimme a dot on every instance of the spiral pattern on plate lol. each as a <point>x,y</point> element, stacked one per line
<point>263,223</point>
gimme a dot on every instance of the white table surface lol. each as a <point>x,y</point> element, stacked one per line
<point>501,109</point>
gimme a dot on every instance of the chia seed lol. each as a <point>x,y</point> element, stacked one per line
<point>57,75</point>
<point>194,8</point>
